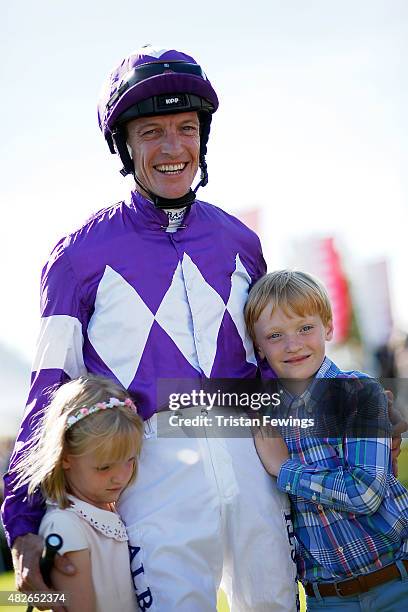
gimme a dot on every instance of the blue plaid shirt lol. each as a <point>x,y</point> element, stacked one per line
<point>350,514</point>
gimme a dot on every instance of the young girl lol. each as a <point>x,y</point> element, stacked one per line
<point>82,457</point>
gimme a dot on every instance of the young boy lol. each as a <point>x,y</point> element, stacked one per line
<point>350,513</point>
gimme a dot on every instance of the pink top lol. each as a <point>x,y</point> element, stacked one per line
<point>85,526</point>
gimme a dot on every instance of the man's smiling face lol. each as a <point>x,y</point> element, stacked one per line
<point>165,150</point>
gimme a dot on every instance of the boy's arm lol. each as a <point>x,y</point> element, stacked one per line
<point>358,486</point>
<point>58,358</point>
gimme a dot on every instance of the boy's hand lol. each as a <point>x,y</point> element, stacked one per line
<point>26,553</point>
<point>399,425</point>
<point>271,448</point>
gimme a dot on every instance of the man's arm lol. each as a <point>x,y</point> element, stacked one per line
<point>20,516</point>
<point>26,553</point>
<point>58,359</point>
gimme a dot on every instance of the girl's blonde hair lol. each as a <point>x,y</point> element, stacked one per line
<point>291,290</point>
<point>112,434</point>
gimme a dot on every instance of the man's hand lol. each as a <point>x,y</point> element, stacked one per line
<point>399,425</point>
<point>271,448</point>
<point>26,553</point>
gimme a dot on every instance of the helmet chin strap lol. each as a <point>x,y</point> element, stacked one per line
<point>167,203</point>
<point>175,203</point>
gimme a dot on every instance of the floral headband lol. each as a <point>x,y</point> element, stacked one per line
<point>85,411</point>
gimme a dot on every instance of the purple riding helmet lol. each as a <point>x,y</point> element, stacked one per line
<point>153,81</point>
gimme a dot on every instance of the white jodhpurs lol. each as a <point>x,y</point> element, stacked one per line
<point>202,514</point>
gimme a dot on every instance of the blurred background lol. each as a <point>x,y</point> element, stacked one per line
<point>309,147</point>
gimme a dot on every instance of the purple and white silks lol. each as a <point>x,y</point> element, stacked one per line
<point>123,298</point>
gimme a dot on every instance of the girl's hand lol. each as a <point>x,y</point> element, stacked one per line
<point>271,449</point>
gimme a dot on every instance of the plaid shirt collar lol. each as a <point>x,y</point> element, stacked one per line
<point>310,396</point>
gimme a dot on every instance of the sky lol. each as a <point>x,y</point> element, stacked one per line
<point>312,126</point>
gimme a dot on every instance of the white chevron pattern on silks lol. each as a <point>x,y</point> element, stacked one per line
<point>208,311</point>
<point>121,323</point>
<point>240,283</point>
<point>64,351</point>
<point>174,316</point>
<point>119,328</point>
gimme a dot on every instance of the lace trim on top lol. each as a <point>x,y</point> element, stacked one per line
<point>108,523</point>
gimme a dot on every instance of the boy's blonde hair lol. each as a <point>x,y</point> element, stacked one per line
<point>293,291</point>
<point>112,434</point>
